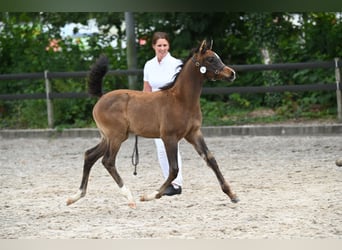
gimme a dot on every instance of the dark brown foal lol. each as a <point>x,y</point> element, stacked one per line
<point>170,114</point>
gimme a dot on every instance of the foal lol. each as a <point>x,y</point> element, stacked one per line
<point>170,114</point>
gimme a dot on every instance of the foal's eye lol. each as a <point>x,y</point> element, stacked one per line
<point>211,59</point>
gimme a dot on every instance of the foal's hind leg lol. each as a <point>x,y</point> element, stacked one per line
<point>197,140</point>
<point>90,157</point>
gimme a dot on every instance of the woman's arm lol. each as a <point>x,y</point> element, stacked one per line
<point>147,87</point>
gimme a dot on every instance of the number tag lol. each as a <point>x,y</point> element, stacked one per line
<point>203,69</point>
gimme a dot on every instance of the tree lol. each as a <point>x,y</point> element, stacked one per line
<point>32,42</point>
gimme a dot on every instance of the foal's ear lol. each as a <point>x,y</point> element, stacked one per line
<point>203,47</point>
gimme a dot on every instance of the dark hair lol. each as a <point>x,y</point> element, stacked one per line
<point>159,35</point>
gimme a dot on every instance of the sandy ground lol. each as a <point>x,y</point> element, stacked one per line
<point>289,187</point>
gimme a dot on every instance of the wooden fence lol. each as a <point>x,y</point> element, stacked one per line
<point>49,95</point>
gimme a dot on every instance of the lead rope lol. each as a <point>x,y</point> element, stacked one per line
<point>135,155</point>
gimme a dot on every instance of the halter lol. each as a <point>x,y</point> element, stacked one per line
<point>203,69</point>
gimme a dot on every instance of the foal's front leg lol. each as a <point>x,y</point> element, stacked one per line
<point>197,140</point>
<point>171,147</point>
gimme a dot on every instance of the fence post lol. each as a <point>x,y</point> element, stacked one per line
<point>338,91</point>
<point>49,104</point>
<point>131,49</point>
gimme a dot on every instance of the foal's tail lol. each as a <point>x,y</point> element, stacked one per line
<point>97,72</point>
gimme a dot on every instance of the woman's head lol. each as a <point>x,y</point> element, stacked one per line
<point>159,35</point>
<point>160,44</point>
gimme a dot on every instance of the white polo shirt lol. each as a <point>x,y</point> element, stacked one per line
<point>159,74</point>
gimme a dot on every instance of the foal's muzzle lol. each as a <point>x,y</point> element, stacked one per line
<point>230,74</point>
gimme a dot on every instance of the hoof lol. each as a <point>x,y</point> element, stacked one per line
<point>149,197</point>
<point>132,205</point>
<point>75,198</point>
<point>143,198</point>
<point>70,201</point>
<point>235,199</point>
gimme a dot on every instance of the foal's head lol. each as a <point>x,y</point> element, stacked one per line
<point>208,63</point>
<point>211,65</point>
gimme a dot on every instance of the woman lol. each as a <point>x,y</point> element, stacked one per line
<point>159,71</point>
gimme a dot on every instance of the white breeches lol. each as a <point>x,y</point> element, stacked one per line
<point>164,163</point>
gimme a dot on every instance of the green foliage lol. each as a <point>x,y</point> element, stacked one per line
<point>32,42</point>
<point>24,114</point>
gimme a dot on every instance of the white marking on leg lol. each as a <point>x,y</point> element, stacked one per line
<point>127,193</point>
<point>76,197</point>
<point>149,197</point>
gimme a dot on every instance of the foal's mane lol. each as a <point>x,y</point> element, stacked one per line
<point>171,84</point>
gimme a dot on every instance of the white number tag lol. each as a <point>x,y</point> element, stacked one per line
<point>203,69</point>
